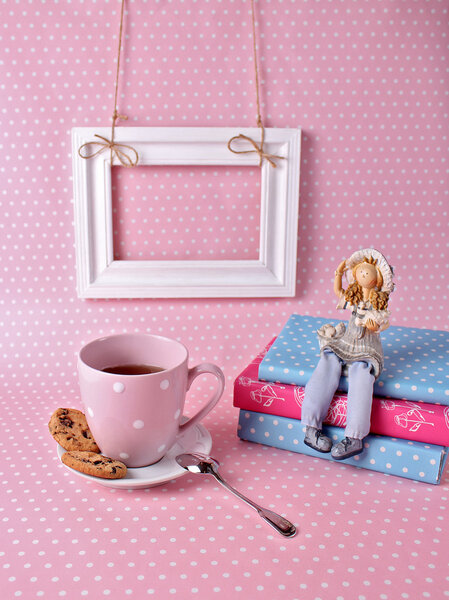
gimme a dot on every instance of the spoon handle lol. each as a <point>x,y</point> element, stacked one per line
<point>282,525</point>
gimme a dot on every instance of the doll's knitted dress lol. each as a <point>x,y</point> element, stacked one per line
<point>357,343</point>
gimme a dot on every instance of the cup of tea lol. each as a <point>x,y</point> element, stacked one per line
<point>133,388</point>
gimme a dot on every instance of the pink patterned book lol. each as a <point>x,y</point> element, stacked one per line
<point>422,422</point>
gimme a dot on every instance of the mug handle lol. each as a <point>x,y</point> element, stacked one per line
<point>193,373</point>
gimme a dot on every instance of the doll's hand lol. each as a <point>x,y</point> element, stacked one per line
<point>371,325</point>
<point>341,268</point>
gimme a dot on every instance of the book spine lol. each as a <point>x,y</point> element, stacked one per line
<point>404,419</point>
<point>412,460</point>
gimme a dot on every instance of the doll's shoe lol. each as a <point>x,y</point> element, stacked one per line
<point>346,448</point>
<point>316,439</point>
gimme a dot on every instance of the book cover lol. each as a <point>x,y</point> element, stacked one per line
<point>416,360</point>
<point>404,458</point>
<point>422,422</point>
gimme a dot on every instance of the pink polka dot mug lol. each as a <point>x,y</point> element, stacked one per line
<point>133,387</point>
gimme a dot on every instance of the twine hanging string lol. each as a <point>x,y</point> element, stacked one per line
<point>258,148</point>
<point>128,156</point>
<point>125,154</point>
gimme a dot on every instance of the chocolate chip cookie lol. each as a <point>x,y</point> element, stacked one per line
<point>69,428</point>
<point>94,464</point>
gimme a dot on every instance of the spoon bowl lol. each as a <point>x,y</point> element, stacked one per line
<point>206,465</point>
<point>198,463</point>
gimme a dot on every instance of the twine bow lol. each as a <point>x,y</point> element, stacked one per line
<point>258,148</point>
<point>125,154</point>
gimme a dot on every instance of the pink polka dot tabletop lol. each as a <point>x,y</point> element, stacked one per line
<point>367,84</point>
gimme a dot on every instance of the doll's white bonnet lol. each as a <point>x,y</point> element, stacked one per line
<point>381,264</point>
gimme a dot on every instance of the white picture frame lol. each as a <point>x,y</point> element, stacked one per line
<point>272,275</point>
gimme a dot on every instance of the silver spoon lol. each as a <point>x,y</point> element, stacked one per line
<point>201,463</point>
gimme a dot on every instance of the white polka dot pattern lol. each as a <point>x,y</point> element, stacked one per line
<point>165,384</point>
<point>367,83</point>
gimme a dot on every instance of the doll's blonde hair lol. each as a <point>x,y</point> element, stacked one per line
<point>354,294</point>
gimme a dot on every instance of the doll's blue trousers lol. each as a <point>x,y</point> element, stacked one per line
<point>322,386</point>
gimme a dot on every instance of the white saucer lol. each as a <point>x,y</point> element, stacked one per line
<point>196,439</point>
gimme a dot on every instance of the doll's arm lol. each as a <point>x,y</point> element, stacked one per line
<point>337,281</point>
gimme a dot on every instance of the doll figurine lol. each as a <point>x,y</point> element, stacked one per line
<point>357,350</point>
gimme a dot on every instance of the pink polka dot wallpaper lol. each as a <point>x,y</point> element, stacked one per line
<point>185,213</point>
<point>367,83</point>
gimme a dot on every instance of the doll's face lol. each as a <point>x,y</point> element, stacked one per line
<point>366,275</point>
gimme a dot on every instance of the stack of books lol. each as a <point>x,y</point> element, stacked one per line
<point>409,434</point>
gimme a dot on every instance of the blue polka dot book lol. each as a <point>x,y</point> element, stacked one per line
<point>416,365</point>
<point>411,399</point>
